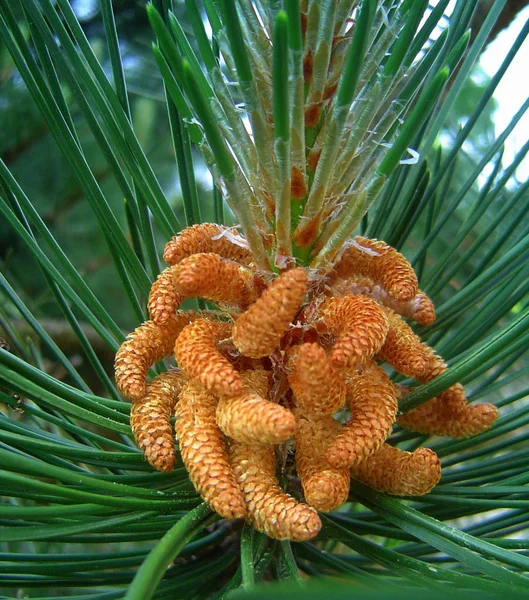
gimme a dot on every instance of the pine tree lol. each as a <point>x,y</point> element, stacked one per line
<point>343,312</point>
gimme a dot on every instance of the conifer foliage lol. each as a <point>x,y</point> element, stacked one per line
<point>327,379</point>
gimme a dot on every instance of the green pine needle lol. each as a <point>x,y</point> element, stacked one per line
<point>88,198</point>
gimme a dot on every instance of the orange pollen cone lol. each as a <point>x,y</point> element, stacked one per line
<point>400,473</point>
<point>209,276</point>
<point>258,331</point>
<point>325,487</point>
<point>360,326</point>
<point>207,237</point>
<point>373,405</point>
<point>146,345</point>
<point>318,387</point>
<point>198,356</point>
<point>204,453</point>
<point>269,508</point>
<point>382,263</point>
<point>150,419</point>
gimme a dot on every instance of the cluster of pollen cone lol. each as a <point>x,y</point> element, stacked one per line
<point>285,380</point>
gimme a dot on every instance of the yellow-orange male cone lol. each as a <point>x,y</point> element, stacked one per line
<point>325,487</point>
<point>318,387</point>
<point>419,309</point>
<point>270,509</point>
<point>147,344</point>
<point>207,237</point>
<point>150,419</point>
<point>204,453</point>
<point>163,298</point>
<point>360,326</point>
<point>449,415</point>
<point>198,356</point>
<point>209,276</point>
<point>403,349</point>
<point>251,418</point>
<point>258,331</point>
<point>401,473</point>
<point>373,405</point>
<point>381,263</point>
